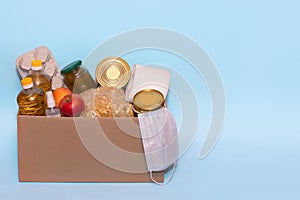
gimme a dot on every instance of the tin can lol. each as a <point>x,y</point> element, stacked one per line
<point>148,100</point>
<point>113,72</point>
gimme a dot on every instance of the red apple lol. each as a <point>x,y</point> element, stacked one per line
<point>71,105</point>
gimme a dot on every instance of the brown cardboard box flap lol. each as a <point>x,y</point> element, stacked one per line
<point>75,150</point>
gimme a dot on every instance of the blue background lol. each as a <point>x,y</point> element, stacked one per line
<point>254,44</point>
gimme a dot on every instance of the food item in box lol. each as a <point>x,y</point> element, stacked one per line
<point>120,107</point>
<point>59,94</point>
<point>113,72</point>
<point>148,100</point>
<point>31,100</point>
<point>42,53</point>
<point>39,77</point>
<point>77,78</point>
<point>103,102</point>
<point>71,105</point>
<point>143,78</point>
<point>88,97</point>
<point>106,102</point>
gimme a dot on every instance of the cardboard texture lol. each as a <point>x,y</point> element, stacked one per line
<point>51,150</point>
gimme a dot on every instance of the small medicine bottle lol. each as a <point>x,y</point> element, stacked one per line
<point>52,111</point>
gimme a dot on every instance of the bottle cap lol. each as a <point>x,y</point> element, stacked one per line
<point>147,100</point>
<point>113,72</point>
<point>36,64</point>
<point>50,99</point>
<point>71,66</point>
<point>27,83</point>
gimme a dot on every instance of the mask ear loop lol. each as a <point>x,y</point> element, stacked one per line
<point>169,179</point>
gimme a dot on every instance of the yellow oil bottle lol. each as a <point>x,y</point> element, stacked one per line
<point>39,77</point>
<point>32,99</point>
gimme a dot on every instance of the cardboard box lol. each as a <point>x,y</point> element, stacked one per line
<point>51,150</point>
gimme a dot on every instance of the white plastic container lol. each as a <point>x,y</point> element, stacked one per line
<point>51,111</point>
<point>143,78</point>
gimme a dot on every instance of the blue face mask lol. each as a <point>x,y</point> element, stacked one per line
<point>160,140</point>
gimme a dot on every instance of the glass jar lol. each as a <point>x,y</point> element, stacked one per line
<point>77,78</point>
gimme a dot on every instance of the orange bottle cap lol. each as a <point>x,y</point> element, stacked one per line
<point>27,82</point>
<point>36,63</point>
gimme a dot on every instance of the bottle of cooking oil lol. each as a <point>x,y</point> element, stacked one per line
<point>39,77</point>
<point>32,99</point>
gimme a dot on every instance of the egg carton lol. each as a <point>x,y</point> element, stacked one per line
<point>23,64</point>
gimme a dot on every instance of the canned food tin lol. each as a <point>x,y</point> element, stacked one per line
<point>113,71</point>
<point>147,100</point>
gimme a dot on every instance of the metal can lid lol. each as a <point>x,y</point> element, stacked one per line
<point>113,71</point>
<point>148,100</point>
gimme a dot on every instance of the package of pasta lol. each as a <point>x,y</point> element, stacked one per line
<point>106,102</point>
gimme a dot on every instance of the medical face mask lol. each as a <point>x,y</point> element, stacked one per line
<point>160,140</point>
